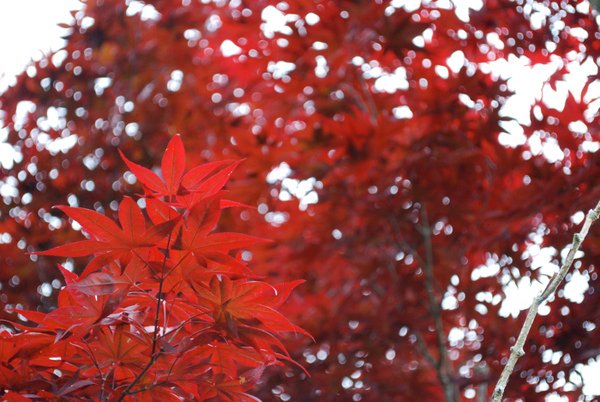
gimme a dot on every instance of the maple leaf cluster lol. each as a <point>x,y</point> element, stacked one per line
<point>162,311</point>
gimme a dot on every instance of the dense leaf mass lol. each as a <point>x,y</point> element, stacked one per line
<point>381,159</point>
<point>161,312</point>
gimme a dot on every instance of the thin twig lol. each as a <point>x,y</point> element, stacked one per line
<point>404,245</point>
<point>97,365</point>
<point>443,368</point>
<point>147,387</point>
<point>159,300</point>
<point>425,351</point>
<point>482,371</point>
<point>517,350</point>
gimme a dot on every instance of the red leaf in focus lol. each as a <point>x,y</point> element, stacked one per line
<point>173,164</point>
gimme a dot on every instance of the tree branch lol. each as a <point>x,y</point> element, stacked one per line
<point>517,350</point>
<point>482,371</point>
<point>422,345</point>
<point>443,368</point>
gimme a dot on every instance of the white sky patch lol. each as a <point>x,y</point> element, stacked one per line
<point>276,21</point>
<point>391,83</point>
<point>228,48</point>
<point>279,173</point>
<point>147,12</point>
<point>38,34</point>
<point>520,295</point>
<point>34,23</point>
<point>442,71</point>
<point>577,217</point>
<point>174,83</point>
<point>321,69</point>
<point>61,144</point>
<point>303,190</point>
<point>525,81</point>
<point>513,134</point>
<point>8,155</point>
<point>407,5</point>
<point>21,113</point>
<point>576,287</point>
<point>542,259</point>
<point>463,8</point>
<point>456,61</point>
<point>548,147</point>
<point>455,335</point>
<point>578,74</point>
<point>494,40</point>
<point>589,372</point>
<point>280,69</point>
<point>402,112</point>
<point>490,268</point>
<point>312,19</point>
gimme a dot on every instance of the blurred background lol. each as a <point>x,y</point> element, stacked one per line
<point>421,164</point>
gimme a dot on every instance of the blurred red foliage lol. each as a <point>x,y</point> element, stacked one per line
<point>377,152</point>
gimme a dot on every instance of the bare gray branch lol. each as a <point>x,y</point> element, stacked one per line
<point>517,350</point>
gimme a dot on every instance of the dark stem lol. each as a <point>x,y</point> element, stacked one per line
<point>443,367</point>
<point>159,300</point>
<point>95,361</point>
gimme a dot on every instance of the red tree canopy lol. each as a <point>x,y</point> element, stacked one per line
<point>377,152</point>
